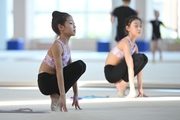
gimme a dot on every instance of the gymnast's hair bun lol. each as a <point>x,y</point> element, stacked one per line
<point>55,14</point>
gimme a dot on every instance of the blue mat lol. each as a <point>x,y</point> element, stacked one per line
<point>91,97</point>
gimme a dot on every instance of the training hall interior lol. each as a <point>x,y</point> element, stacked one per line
<point>26,35</point>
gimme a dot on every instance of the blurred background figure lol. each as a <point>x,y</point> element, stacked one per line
<point>156,35</point>
<point>122,13</point>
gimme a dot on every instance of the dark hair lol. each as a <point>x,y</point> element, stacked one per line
<point>126,0</point>
<point>58,18</point>
<point>129,20</point>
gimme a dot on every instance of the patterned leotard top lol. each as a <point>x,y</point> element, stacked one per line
<point>65,57</point>
<point>120,53</point>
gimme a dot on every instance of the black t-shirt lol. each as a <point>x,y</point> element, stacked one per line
<point>156,34</point>
<point>122,13</point>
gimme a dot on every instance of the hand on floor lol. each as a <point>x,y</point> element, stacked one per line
<point>75,103</point>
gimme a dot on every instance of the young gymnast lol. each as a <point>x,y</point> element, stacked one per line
<point>124,62</point>
<point>57,72</point>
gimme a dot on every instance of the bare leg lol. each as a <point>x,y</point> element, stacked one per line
<point>159,48</point>
<point>54,102</point>
<point>121,88</point>
<point>153,48</point>
<point>54,96</point>
<point>117,85</point>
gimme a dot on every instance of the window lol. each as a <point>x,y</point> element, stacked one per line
<point>92,19</point>
<point>10,19</point>
<point>178,18</point>
<point>168,10</point>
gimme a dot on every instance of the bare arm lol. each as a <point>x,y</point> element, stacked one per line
<point>112,17</point>
<point>140,85</point>
<point>57,52</point>
<point>168,27</point>
<point>75,90</point>
<point>139,75</point>
<point>75,85</point>
<point>137,12</point>
<point>57,55</point>
<point>130,65</point>
<point>139,80</point>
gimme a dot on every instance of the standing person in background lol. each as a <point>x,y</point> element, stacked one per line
<point>124,62</point>
<point>122,13</point>
<point>57,73</point>
<point>156,40</point>
<point>156,36</point>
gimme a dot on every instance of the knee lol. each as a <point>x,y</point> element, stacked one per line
<point>138,57</point>
<point>82,65</point>
<point>145,58</point>
<point>141,58</point>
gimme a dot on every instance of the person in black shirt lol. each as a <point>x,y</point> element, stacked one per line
<point>122,13</point>
<point>156,35</point>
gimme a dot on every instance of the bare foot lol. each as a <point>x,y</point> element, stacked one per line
<point>54,102</point>
<point>120,90</point>
<point>121,94</point>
